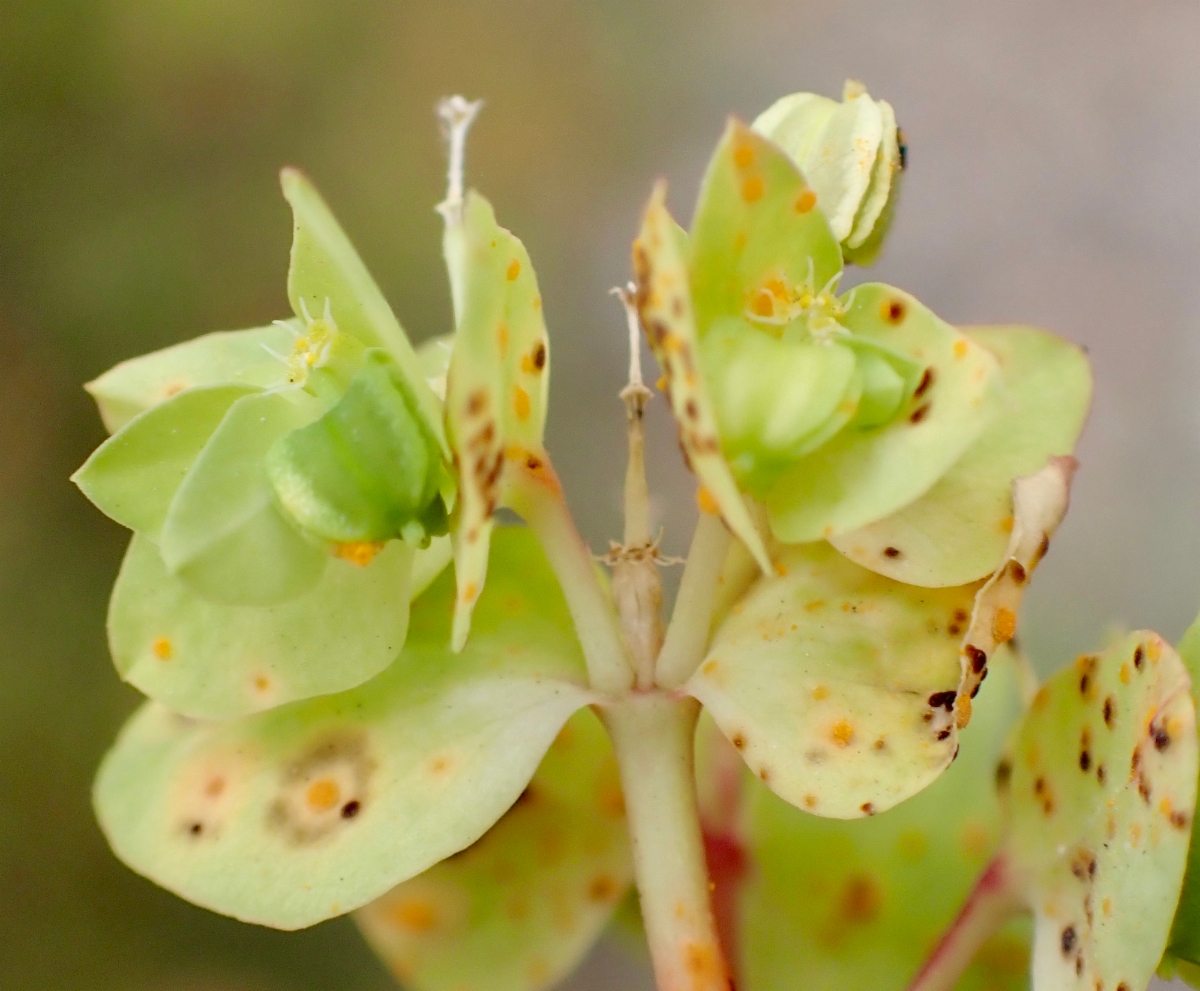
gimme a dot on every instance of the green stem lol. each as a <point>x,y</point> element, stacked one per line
<point>687,636</point>
<point>537,496</point>
<point>654,738</point>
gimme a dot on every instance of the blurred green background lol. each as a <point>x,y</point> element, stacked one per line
<point>1054,180</point>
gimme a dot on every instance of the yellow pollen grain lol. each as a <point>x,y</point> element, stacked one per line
<point>810,801</point>
<point>821,692</point>
<point>470,590</point>
<point>781,569</point>
<point>322,795</point>
<point>806,201</point>
<point>1125,673</point>
<point>706,502</point>
<point>514,269</point>
<point>743,156</point>
<point>359,552</point>
<point>1106,907</point>
<point>162,649</point>
<point>1006,525</point>
<point>661,384</point>
<point>1154,649</point>
<point>262,683</point>
<point>710,667</point>
<point>521,403</point>
<point>960,348</point>
<point>502,339</point>
<point>1004,625</point>
<point>842,733</point>
<point>752,189</point>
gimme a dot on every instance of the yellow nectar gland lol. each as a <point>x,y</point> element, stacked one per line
<point>311,349</point>
<point>777,303</point>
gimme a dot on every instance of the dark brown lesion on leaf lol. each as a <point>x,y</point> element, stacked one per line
<point>324,789</point>
<point>1004,773</point>
<point>1110,712</point>
<point>919,414</point>
<point>927,380</point>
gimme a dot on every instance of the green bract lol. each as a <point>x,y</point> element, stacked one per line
<point>834,411</point>
<point>1100,782</point>
<point>314,809</point>
<point>209,660</point>
<point>853,156</point>
<point>517,910</point>
<point>877,894</point>
<point>845,690</point>
<point>497,384</point>
<point>958,530</point>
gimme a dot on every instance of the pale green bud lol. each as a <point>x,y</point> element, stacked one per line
<point>852,155</point>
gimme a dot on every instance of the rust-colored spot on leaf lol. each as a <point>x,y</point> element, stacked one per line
<point>322,795</point>
<point>752,189</point>
<point>805,201</point>
<point>842,733</point>
<point>893,310</point>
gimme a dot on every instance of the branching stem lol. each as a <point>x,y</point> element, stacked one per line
<point>537,496</point>
<point>687,636</point>
<point>992,902</point>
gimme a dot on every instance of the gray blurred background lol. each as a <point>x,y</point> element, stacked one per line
<point>1054,180</point>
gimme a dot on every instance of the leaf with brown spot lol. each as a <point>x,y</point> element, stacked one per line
<point>497,384</point>
<point>433,750</point>
<point>862,476</point>
<point>518,909</point>
<point>858,904</point>
<point>955,533</point>
<point>1039,505</point>
<point>1138,869</point>
<point>665,305</point>
<point>878,653</point>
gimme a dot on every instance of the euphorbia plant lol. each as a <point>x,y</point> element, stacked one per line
<point>480,762</point>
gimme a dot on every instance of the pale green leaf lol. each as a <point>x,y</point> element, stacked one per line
<point>224,533</point>
<point>664,304</point>
<point>238,357</point>
<point>957,532</point>
<point>831,905</point>
<point>1185,930</point>
<point>837,685</point>
<point>1101,787</point>
<point>209,660</point>
<point>755,226</point>
<point>497,382</point>
<point>517,910</point>
<point>133,476</point>
<point>313,809</point>
<point>862,476</point>
<point>325,267</point>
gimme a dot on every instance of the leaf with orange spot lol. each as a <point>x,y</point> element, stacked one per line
<point>665,306</point>
<point>1039,504</point>
<point>497,383</point>
<point>224,358</point>
<point>1101,793</point>
<point>955,533</point>
<point>224,661</point>
<point>424,758</point>
<point>861,476</point>
<point>814,667</point>
<point>517,910</point>
<point>1185,930</point>
<point>832,904</point>
<point>738,244</point>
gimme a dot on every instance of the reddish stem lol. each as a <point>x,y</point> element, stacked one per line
<point>992,902</point>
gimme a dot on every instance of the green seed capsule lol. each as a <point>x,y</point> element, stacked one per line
<point>369,469</point>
